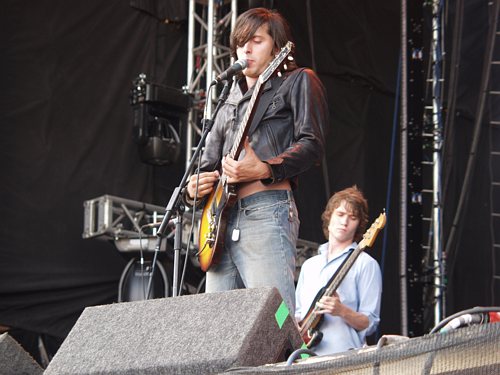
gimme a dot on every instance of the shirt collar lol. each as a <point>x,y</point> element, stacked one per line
<point>323,250</point>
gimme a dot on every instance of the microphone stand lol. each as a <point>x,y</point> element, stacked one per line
<point>175,203</point>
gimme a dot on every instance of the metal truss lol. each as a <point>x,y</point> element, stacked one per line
<point>210,23</point>
<point>410,237</point>
<point>494,147</point>
<point>422,261</point>
<point>130,224</point>
<point>432,134</point>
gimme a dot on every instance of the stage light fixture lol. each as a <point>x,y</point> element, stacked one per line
<point>159,112</point>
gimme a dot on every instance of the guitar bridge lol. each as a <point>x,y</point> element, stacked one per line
<point>210,241</point>
<point>210,235</point>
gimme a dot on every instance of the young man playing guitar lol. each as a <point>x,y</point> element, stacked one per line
<point>287,139</point>
<point>352,311</point>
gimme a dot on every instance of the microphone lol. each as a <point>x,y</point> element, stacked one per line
<point>238,66</point>
<point>469,319</point>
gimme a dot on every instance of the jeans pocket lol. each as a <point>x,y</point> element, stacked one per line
<point>266,211</point>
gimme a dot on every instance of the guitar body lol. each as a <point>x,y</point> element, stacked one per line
<point>311,335</point>
<point>213,224</point>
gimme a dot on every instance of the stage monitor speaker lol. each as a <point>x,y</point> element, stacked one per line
<point>195,334</point>
<point>14,360</point>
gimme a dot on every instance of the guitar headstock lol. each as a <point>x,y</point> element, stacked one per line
<point>372,232</point>
<point>276,63</point>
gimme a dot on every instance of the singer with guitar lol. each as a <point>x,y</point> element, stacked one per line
<point>352,311</point>
<point>256,150</point>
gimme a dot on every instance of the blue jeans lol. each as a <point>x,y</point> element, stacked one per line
<point>264,254</point>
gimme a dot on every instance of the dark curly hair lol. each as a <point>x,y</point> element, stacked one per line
<point>355,202</point>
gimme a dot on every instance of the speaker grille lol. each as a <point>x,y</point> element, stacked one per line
<point>14,360</point>
<point>199,334</point>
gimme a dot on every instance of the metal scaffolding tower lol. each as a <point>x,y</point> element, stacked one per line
<point>494,137</point>
<point>210,24</point>
<point>421,256</point>
<point>410,238</point>
<point>434,272</point>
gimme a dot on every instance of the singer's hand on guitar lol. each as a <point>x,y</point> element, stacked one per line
<point>250,168</point>
<point>205,182</point>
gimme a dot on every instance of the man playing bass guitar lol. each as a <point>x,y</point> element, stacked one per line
<point>352,311</point>
<point>260,228</point>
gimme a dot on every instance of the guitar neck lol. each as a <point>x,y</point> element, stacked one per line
<point>246,122</point>
<point>341,273</point>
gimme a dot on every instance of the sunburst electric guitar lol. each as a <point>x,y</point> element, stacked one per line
<point>309,326</point>
<point>214,217</point>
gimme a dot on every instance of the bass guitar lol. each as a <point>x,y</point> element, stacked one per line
<point>310,325</point>
<point>214,216</point>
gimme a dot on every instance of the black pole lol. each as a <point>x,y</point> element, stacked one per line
<point>175,204</point>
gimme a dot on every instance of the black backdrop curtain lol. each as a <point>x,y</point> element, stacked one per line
<point>66,138</point>
<point>471,261</point>
<point>67,69</point>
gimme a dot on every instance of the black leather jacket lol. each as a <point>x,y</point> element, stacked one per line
<point>290,136</point>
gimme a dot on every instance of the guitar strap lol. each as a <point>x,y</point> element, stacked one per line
<point>264,102</point>
<point>336,273</point>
